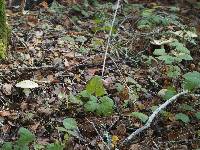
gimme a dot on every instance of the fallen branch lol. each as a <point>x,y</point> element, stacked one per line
<point>154,114</point>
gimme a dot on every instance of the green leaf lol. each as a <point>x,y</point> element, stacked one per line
<point>159,52</point>
<point>171,91</point>
<point>7,146</point>
<point>73,99</point>
<point>140,116</point>
<point>95,86</point>
<point>91,106</point>
<point>173,72</point>
<point>167,59</point>
<point>180,47</point>
<point>184,56</point>
<point>186,107</point>
<point>183,117</point>
<point>70,124</point>
<point>84,94</point>
<point>26,137</point>
<point>197,115</point>
<point>38,146</point>
<point>192,80</point>
<point>55,146</point>
<point>119,87</point>
<point>105,107</point>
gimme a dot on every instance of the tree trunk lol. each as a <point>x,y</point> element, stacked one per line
<point>4,30</point>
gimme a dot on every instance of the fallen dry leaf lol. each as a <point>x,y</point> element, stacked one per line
<point>135,147</point>
<point>5,113</point>
<point>7,89</point>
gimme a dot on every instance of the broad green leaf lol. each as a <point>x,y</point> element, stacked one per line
<point>119,87</point>
<point>186,107</point>
<point>197,115</point>
<point>173,72</point>
<point>180,47</point>
<point>184,56</point>
<point>7,146</point>
<point>159,52</point>
<point>192,80</point>
<point>140,116</point>
<point>21,147</point>
<point>171,91</point>
<point>167,59</point>
<point>73,99</point>
<point>183,117</point>
<point>105,107</point>
<point>91,105</point>
<point>95,86</point>
<point>26,137</point>
<point>84,94</point>
<point>55,146</point>
<point>70,123</point>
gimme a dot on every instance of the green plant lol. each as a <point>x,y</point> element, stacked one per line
<point>140,116</point>
<point>24,141</point>
<point>183,117</point>
<point>150,18</point>
<point>25,138</point>
<point>70,126</point>
<point>94,98</point>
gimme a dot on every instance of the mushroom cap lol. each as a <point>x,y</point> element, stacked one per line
<point>162,41</point>
<point>27,84</point>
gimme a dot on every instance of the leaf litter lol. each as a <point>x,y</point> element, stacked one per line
<point>61,54</point>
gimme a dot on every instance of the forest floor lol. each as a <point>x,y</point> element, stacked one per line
<point>62,48</point>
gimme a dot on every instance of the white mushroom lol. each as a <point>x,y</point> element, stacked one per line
<point>26,85</point>
<point>162,41</point>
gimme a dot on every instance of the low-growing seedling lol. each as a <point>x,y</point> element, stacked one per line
<point>26,138</point>
<point>94,98</point>
<point>70,126</point>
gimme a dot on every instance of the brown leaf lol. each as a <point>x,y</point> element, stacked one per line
<point>7,89</point>
<point>44,5</point>
<point>44,110</point>
<point>92,71</point>
<point>135,147</point>
<point>121,129</point>
<point>124,95</point>
<point>32,20</point>
<point>5,113</point>
<point>24,106</point>
<point>35,126</point>
<point>70,54</point>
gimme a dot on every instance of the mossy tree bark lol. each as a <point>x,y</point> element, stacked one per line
<point>4,30</point>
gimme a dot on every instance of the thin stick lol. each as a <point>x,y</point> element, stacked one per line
<point>154,114</point>
<point>109,37</point>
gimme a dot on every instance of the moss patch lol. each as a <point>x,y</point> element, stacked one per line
<point>4,30</point>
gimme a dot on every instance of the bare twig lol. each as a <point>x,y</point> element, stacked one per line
<point>109,37</point>
<point>154,114</point>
